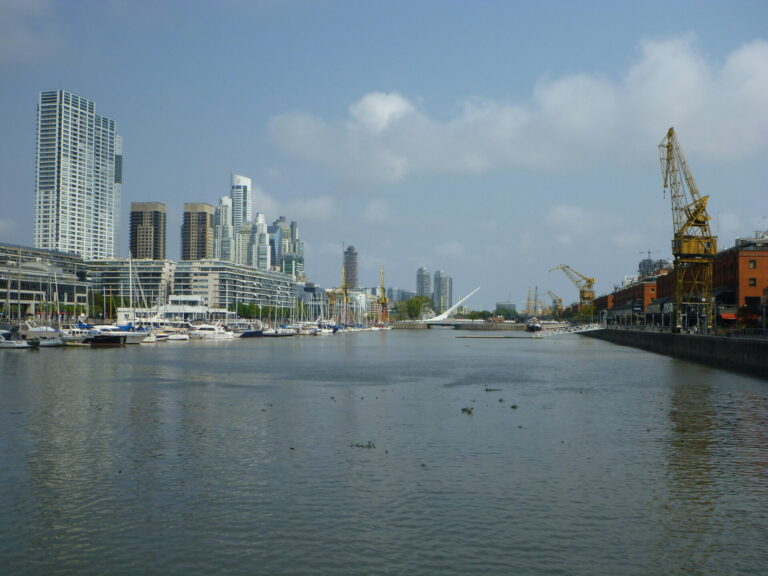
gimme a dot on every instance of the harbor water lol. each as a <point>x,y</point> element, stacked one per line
<point>400,452</point>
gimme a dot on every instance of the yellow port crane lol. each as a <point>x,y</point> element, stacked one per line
<point>557,303</point>
<point>585,285</point>
<point>383,302</point>
<point>693,245</point>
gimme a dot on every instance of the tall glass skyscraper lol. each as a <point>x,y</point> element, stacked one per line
<point>242,201</point>
<point>423,283</point>
<point>443,292</point>
<point>223,234</point>
<point>79,177</point>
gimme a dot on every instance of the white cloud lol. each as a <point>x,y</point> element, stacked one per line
<point>378,110</point>
<point>718,110</point>
<point>377,212</point>
<point>264,203</point>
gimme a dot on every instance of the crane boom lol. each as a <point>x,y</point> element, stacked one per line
<point>585,285</point>
<point>557,302</point>
<point>693,245</point>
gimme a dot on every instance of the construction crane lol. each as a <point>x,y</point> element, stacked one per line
<point>383,297</point>
<point>585,285</point>
<point>557,303</point>
<point>693,245</point>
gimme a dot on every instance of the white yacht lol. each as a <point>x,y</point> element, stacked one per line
<point>30,330</point>
<point>131,336</point>
<point>73,335</point>
<point>210,332</point>
<point>9,340</point>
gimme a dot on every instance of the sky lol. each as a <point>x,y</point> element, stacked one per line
<point>492,140</point>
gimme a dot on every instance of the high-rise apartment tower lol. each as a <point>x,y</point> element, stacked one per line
<point>350,267</point>
<point>78,177</point>
<point>147,238</point>
<point>443,293</point>
<point>197,232</point>
<point>242,201</point>
<point>423,283</point>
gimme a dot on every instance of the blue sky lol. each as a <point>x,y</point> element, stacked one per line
<point>492,140</point>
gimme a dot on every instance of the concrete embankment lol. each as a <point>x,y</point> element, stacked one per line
<point>409,326</point>
<point>458,326</point>
<point>729,353</point>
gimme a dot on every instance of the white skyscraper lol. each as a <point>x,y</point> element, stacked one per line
<point>79,177</point>
<point>223,233</point>
<point>443,292</point>
<point>242,201</point>
<point>252,244</point>
<point>261,255</point>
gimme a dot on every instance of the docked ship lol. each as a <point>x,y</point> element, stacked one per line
<point>533,325</point>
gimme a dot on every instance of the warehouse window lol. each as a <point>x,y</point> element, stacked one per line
<point>753,281</point>
<point>752,264</point>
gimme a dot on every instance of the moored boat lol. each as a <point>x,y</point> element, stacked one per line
<point>210,332</point>
<point>131,336</point>
<point>252,333</point>
<point>106,340</point>
<point>30,330</point>
<point>12,341</point>
<point>533,325</point>
<point>177,337</point>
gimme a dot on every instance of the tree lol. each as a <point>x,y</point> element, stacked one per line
<point>415,306</point>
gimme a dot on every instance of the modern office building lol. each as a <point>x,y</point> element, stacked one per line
<point>286,250</point>
<point>223,234</point>
<point>78,177</point>
<point>242,201</point>
<point>350,268</point>
<point>443,292</point>
<point>252,244</point>
<point>261,253</point>
<point>41,282</point>
<point>225,284</point>
<point>148,231</point>
<point>132,283</point>
<point>423,283</point>
<point>197,232</point>
<point>399,295</point>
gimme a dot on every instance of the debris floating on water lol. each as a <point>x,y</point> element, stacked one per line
<point>467,410</point>
<point>369,445</point>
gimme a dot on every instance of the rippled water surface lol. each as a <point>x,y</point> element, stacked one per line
<point>352,455</point>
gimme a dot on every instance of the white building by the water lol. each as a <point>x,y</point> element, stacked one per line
<point>78,177</point>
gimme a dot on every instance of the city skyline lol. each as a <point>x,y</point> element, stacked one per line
<point>494,140</point>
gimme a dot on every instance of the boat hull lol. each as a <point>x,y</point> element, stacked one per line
<point>105,340</point>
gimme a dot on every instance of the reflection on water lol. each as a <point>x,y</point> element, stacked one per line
<point>689,525</point>
<point>351,455</point>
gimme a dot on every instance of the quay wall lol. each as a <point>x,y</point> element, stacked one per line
<point>409,326</point>
<point>749,355</point>
<point>490,326</point>
<point>487,326</point>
